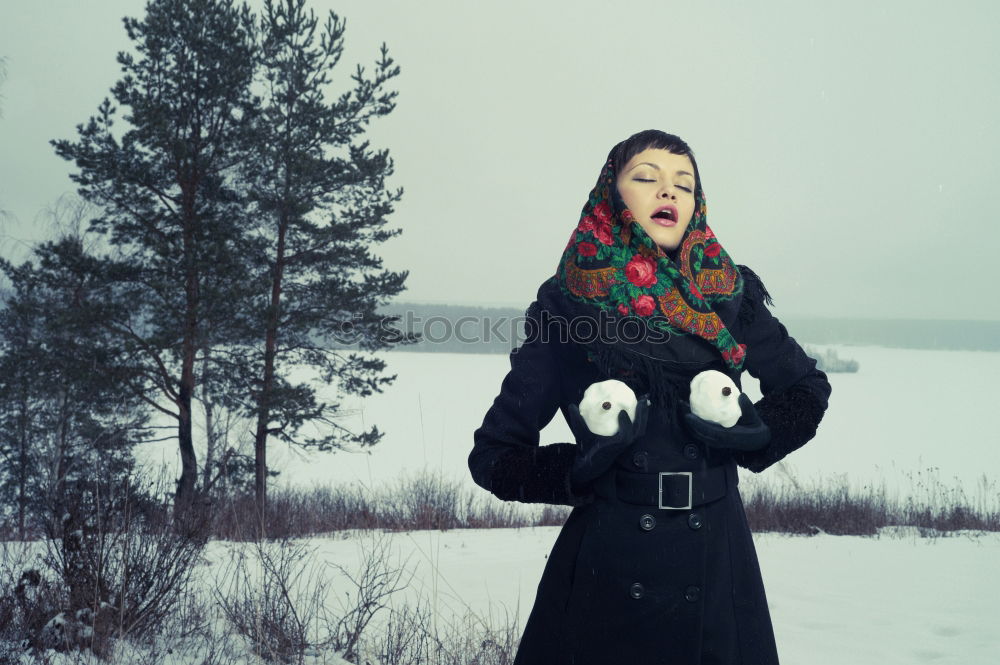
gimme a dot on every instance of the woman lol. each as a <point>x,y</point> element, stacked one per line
<point>652,566</point>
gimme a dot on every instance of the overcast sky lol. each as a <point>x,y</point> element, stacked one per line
<point>848,150</point>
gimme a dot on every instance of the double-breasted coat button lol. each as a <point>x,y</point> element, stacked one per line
<point>636,590</point>
<point>647,522</point>
<point>692,593</point>
<point>640,459</point>
<point>691,451</point>
<point>694,520</point>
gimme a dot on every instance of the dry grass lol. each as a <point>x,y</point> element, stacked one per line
<point>422,501</point>
<point>429,501</point>
<point>271,602</point>
<point>930,506</point>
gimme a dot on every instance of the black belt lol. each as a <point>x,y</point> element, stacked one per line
<point>668,490</point>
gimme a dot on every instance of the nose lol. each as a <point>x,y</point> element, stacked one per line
<point>665,192</point>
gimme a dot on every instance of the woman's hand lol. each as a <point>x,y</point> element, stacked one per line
<point>595,454</point>
<point>749,432</point>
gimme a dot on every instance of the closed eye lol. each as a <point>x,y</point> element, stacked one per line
<point>684,188</point>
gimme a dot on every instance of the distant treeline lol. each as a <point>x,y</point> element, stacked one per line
<point>466,329</point>
<point>945,335</point>
<point>829,361</point>
<point>460,328</point>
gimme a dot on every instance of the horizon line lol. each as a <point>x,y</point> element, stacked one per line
<point>784,316</point>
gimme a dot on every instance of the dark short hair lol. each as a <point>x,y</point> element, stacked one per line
<point>622,153</point>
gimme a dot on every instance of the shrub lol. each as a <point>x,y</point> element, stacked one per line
<point>107,571</point>
<point>425,500</point>
<point>831,507</point>
<point>275,596</point>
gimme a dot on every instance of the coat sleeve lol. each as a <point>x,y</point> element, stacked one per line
<point>795,393</point>
<point>506,457</point>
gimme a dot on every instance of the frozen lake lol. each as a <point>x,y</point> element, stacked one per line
<point>909,419</point>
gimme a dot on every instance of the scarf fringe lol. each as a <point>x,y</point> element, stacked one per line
<point>642,374</point>
<point>753,292</point>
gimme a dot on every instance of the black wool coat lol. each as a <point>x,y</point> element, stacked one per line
<point>637,584</point>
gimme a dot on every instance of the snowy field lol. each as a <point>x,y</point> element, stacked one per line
<point>896,599</point>
<point>834,600</point>
<point>908,419</point>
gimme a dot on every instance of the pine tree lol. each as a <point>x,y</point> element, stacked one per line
<point>66,412</point>
<point>165,189</point>
<point>322,202</point>
<point>241,227</point>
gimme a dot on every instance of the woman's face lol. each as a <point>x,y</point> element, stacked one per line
<point>658,187</point>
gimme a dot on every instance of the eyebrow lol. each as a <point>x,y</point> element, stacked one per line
<point>658,168</point>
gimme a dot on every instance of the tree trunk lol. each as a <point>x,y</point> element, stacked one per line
<point>210,434</point>
<point>189,462</point>
<point>267,385</point>
<point>189,346</point>
<point>22,494</point>
<point>22,470</point>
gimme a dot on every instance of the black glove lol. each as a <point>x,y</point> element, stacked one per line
<point>595,454</point>
<point>749,432</point>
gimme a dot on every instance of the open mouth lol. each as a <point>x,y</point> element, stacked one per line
<point>666,216</point>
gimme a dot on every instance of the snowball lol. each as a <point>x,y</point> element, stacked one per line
<point>602,401</point>
<point>714,397</point>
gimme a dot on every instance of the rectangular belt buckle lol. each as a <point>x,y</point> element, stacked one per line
<point>675,473</point>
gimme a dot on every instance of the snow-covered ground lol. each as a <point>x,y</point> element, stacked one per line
<point>834,600</point>
<point>909,419</point>
<point>897,599</point>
